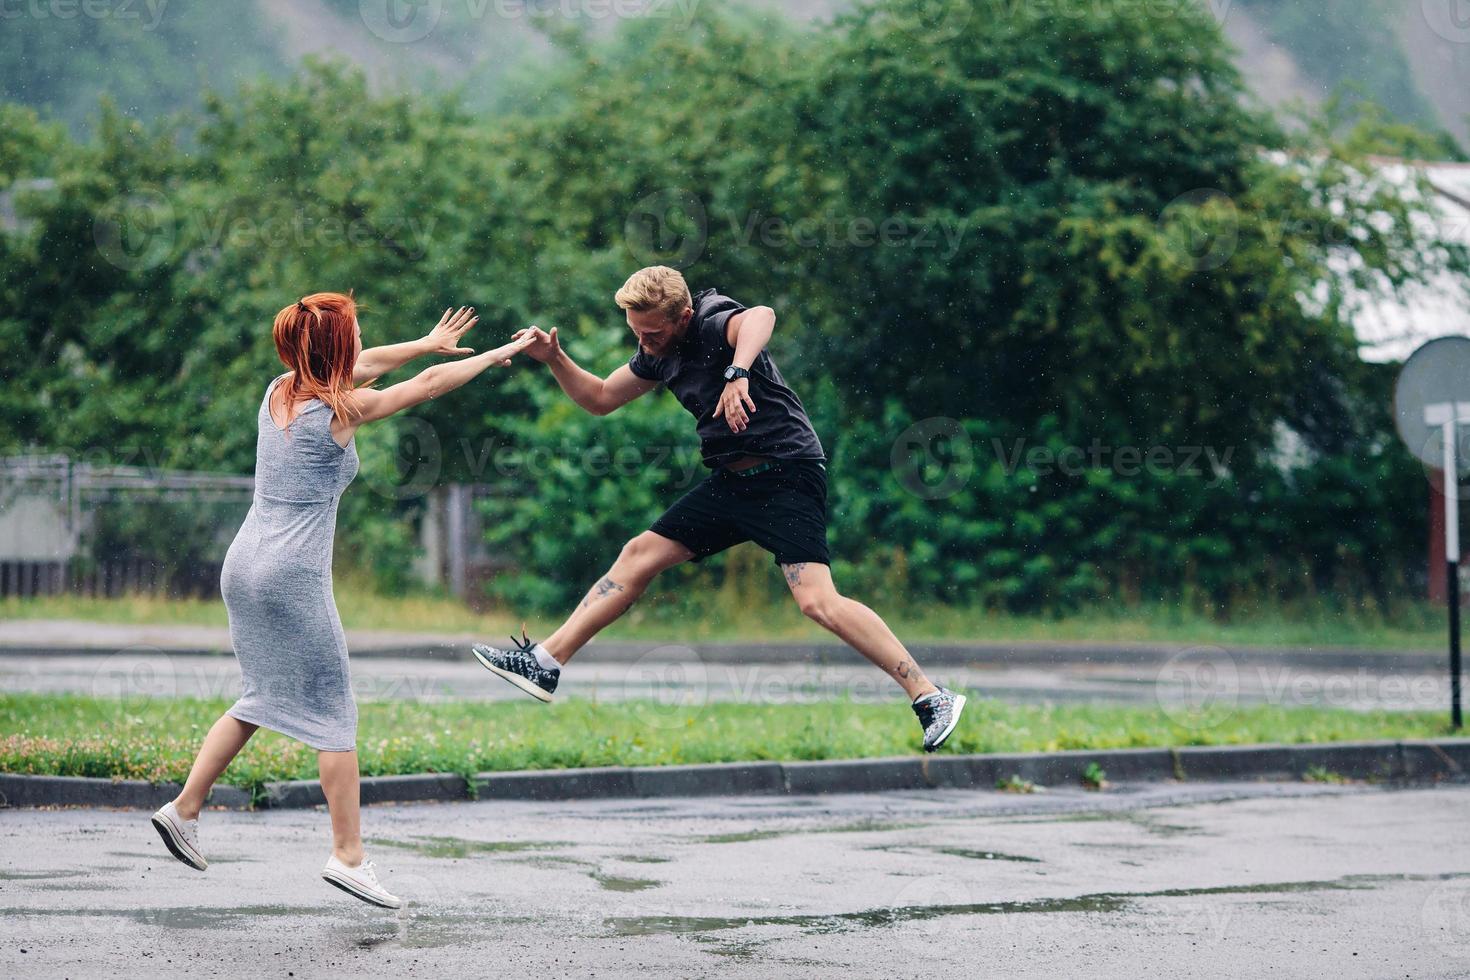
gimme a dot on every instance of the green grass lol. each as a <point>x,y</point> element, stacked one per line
<point>155,739</point>
<point>694,615</point>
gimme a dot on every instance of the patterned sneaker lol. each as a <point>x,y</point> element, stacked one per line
<point>180,836</point>
<point>520,666</point>
<point>360,882</point>
<point>939,713</point>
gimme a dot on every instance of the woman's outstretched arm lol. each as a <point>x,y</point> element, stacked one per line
<point>427,385</point>
<point>443,339</point>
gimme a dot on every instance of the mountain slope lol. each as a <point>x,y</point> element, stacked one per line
<point>1409,56</point>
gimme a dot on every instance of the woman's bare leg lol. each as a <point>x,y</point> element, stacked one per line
<point>340,785</point>
<point>225,740</point>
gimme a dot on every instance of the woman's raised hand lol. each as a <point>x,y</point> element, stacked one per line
<point>444,338</point>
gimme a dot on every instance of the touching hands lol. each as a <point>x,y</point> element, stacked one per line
<point>542,346</point>
<point>444,338</point>
<point>501,356</point>
<point>734,401</point>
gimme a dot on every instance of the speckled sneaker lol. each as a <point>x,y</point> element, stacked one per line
<point>180,836</point>
<point>360,882</point>
<point>939,713</point>
<point>520,666</point>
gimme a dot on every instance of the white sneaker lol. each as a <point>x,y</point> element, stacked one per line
<point>180,836</point>
<point>360,882</point>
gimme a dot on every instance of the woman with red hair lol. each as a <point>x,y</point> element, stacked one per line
<point>277,577</point>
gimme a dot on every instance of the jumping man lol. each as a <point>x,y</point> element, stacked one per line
<point>768,485</point>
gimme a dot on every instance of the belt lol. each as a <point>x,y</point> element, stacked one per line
<point>753,470</point>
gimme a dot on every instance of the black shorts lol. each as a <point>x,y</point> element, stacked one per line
<point>782,508</point>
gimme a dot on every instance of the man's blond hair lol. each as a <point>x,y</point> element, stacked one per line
<point>656,288</point>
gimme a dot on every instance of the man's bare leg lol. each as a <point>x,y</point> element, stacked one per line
<point>855,624</point>
<point>641,561</point>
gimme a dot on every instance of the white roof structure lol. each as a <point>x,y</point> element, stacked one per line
<point>1393,328</point>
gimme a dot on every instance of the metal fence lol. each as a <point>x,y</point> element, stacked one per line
<point>73,527</point>
<point>68,526</point>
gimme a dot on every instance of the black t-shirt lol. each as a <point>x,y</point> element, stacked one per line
<point>694,372</point>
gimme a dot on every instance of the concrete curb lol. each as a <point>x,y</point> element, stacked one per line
<point>935,654</point>
<point>17,790</point>
<point>1400,761</point>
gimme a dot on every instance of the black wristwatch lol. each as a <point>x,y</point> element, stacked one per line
<point>733,373</point>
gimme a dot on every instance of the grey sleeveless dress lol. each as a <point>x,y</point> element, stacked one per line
<point>277,584</point>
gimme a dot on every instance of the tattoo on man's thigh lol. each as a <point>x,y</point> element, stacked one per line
<point>793,573</point>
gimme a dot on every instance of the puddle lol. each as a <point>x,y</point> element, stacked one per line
<point>961,852</point>
<point>858,827</point>
<point>459,847</point>
<point>650,925</point>
<point>195,917</point>
<point>162,854</point>
<point>74,886</point>
<point>614,883</point>
<point>610,882</point>
<point>743,836</point>
<point>744,951</point>
<point>1146,821</point>
<point>551,861</point>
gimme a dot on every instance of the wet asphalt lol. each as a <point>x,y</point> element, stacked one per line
<point>154,673</point>
<point>1279,880</point>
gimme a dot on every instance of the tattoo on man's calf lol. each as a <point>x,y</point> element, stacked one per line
<point>601,591</point>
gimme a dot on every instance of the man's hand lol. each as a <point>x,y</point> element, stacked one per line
<point>734,401</point>
<point>444,338</point>
<point>501,356</point>
<point>544,347</point>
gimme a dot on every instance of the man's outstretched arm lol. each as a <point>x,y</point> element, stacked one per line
<point>599,396</point>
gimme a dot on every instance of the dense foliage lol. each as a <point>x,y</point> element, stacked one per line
<point>1062,231</point>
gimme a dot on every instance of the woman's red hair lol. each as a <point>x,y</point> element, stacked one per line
<point>317,339</point>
